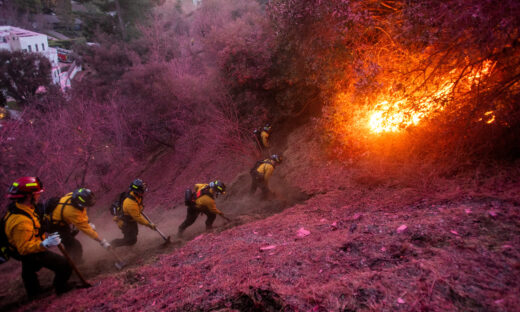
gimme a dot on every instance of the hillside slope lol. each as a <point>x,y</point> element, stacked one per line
<point>345,242</point>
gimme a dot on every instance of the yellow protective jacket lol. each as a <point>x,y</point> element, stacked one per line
<point>266,170</point>
<point>22,233</point>
<point>72,215</point>
<point>205,202</point>
<point>133,208</point>
<point>265,138</point>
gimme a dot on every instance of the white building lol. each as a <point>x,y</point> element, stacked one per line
<point>18,39</point>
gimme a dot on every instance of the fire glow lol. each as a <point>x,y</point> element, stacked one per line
<point>490,117</point>
<point>394,115</point>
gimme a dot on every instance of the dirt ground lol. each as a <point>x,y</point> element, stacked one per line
<point>238,205</point>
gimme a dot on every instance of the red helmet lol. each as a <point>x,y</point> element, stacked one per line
<point>25,186</point>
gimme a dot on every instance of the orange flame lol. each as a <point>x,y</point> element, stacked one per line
<point>394,115</point>
<point>492,116</point>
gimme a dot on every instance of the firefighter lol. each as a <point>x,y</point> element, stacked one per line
<point>203,202</point>
<point>262,136</point>
<point>132,208</point>
<point>27,242</point>
<point>70,216</point>
<point>261,173</point>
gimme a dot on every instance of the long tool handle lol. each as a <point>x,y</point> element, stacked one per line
<point>226,218</point>
<point>119,264</point>
<point>115,255</point>
<point>146,217</point>
<point>162,235</point>
<point>156,229</point>
<point>74,267</point>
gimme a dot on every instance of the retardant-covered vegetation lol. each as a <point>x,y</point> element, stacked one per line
<point>405,80</point>
<point>401,94</point>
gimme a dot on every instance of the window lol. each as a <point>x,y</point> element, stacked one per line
<point>29,47</point>
<point>43,47</point>
<point>36,47</point>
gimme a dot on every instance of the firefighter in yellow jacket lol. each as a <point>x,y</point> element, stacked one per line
<point>261,173</point>
<point>262,136</point>
<point>70,216</point>
<point>203,201</point>
<point>27,242</point>
<point>132,214</point>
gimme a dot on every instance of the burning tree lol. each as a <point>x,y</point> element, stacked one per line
<point>400,71</point>
<point>394,78</point>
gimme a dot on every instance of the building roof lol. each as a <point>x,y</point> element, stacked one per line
<point>20,32</point>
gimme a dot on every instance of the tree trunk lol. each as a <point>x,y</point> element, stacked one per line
<point>120,18</point>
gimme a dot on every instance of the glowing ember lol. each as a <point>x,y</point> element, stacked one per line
<point>490,115</point>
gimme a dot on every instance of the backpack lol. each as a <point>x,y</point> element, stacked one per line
<point>6,249</point>
<point>4,243</point>
<point>258,164</point>
<point>116,209</point>
<point>188,197</point>
<point>257,133</point>
<point>44,212</point>
<point>202,192</point>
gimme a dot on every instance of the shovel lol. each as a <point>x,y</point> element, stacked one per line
<point>119,264</point>
<point>166,239</point>
<point>74,267</point>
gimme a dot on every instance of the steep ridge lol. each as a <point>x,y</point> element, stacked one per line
<point>357,243</point>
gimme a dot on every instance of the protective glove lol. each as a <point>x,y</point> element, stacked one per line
<point>92,226</point>
<point>105,244</point>
<point>53,240</point>
<point>153,226</point>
